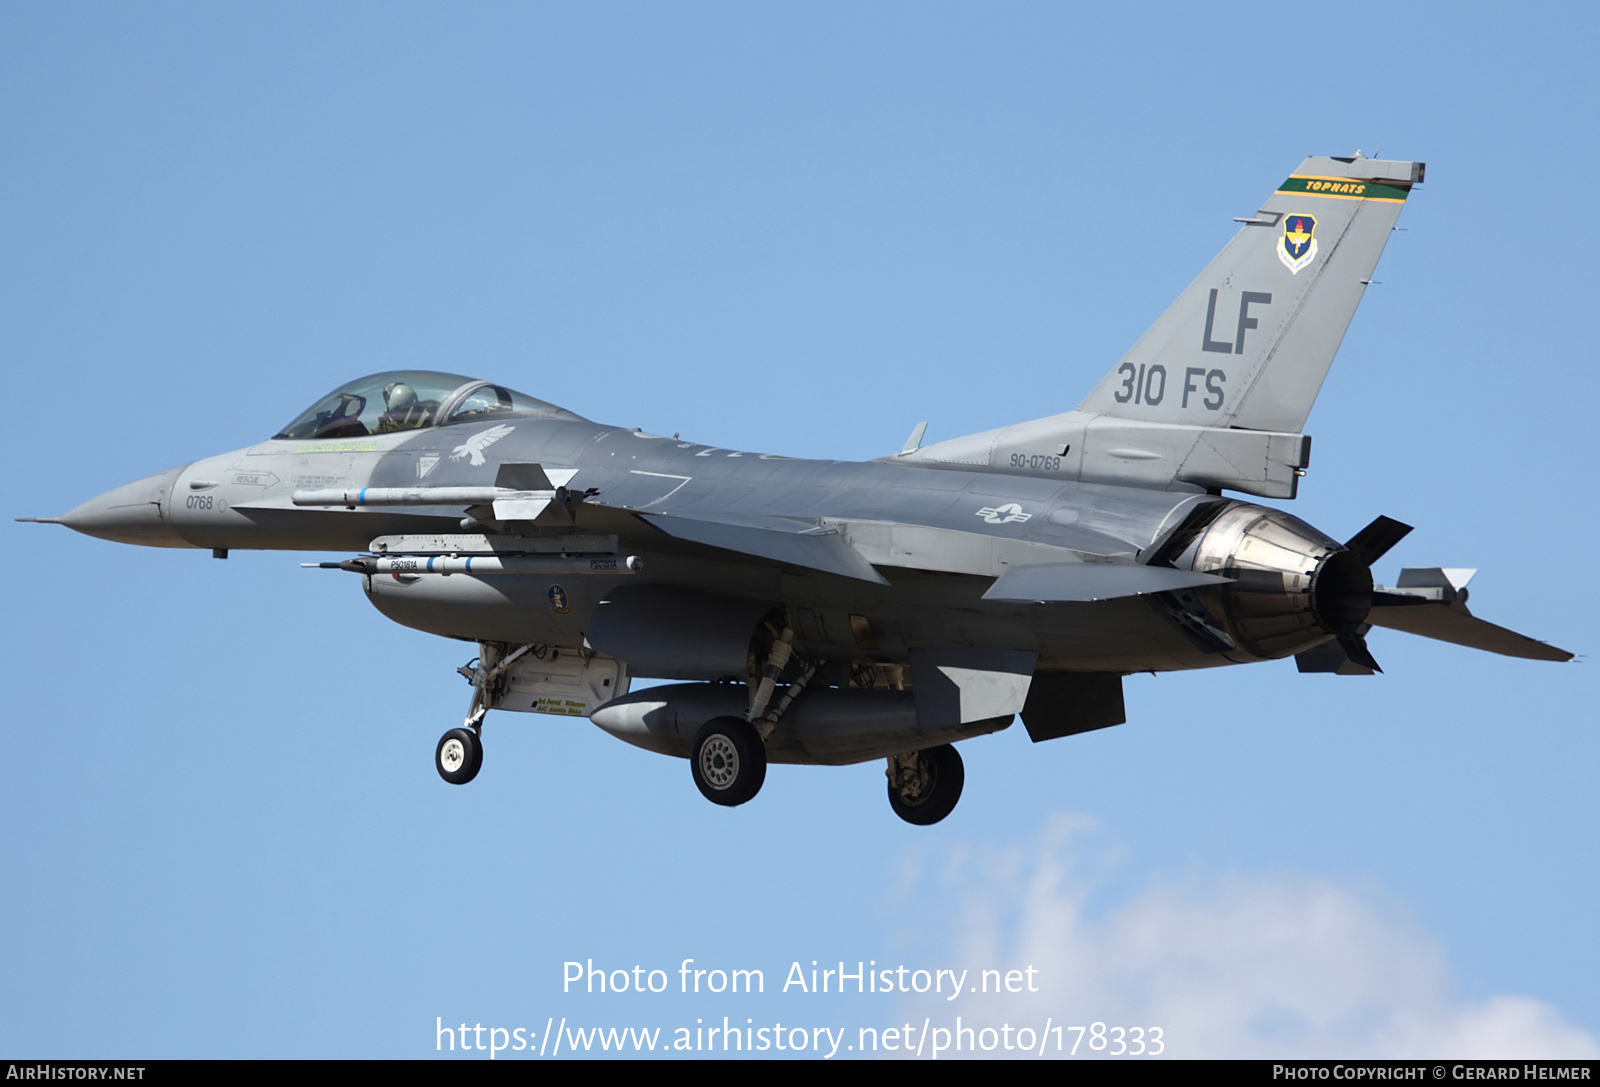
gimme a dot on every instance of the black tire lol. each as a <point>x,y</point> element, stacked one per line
<point>933,795</point>
<point>459,756</point>
<point>729,761</point>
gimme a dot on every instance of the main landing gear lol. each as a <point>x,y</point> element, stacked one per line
<point>729,756</point>
<point>925,785</point>
<point>729,761</point>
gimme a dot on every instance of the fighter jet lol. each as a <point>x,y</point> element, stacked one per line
<point>833,612</point>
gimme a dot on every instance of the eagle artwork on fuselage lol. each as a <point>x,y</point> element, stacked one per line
<point>831,612</point>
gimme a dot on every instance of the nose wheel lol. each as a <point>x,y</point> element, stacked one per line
<point>459,756</point>
<point>729,761</point>
<point>925,785</point>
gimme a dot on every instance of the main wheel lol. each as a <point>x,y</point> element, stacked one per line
<point>928,793</point>
<point>458,756</point>
<point>729,761</point>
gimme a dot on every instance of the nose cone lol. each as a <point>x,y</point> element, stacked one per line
<point>135,513</point>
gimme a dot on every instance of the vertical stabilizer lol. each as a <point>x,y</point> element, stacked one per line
<point>1249,342</point>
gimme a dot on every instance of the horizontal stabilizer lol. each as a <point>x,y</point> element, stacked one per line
<point>793,543</point>
<point>1432,601</point>
<point>1082,582</point>
<point>1453,623</point>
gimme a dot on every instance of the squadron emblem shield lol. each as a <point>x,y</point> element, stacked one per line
<point>558,600</point>
<point>1298,246</point>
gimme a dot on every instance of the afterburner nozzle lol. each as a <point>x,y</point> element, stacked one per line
<point>1293,587</point>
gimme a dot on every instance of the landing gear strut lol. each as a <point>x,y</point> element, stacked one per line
<point>729,757</point>
<point>925,785</point>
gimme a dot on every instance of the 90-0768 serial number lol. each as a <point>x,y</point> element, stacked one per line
<point>1041,463</point>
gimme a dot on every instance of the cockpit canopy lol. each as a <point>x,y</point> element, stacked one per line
<point>411,400</point>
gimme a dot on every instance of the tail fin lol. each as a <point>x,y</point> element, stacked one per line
<point>1249,342</point>
<point>1215,395</point>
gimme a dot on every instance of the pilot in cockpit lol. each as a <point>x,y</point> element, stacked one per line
<point>404,410</point>
<point>412,400</point>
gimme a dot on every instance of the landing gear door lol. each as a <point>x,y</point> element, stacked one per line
<point>565,682</point>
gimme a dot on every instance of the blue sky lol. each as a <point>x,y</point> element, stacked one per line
<point>798,229</point>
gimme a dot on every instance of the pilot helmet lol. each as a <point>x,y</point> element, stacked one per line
<point>399,396</point>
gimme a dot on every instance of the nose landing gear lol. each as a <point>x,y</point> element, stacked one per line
<point>459,755</point>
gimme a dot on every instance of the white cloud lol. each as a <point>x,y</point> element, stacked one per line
<point>1226,965</point>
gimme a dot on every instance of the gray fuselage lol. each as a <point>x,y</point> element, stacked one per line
<point>938,535</point>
